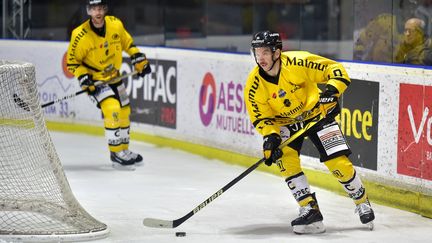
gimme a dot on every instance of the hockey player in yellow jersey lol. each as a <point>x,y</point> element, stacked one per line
<point>283,99</point>
<point>95,54</point>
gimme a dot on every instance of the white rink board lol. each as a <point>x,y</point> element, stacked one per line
<point>52,82</point>
<point>229,72</point>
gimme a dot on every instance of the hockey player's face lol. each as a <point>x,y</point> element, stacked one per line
<point>97,13</point>
<point>264,57</point>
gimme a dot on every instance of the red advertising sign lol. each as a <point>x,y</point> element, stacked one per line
<point>414,131</point>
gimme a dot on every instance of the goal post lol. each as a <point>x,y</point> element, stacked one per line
<point>36,201</point>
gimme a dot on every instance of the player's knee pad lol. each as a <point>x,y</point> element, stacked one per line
<point>342,168</point>
<point>125,126</point>
<point>111,112</point>
<point>289,163</point>
<point>290,169</point>
<point>124,116</point>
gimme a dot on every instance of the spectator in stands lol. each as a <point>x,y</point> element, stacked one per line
<point>376,41</point>
<point>416,47</point>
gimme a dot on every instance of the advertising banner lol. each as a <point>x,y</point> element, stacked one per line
<point>197,97</point>
<point>359,123</point>
<point>213,102</point>
<point>154,97</point>
<point>414,157</point>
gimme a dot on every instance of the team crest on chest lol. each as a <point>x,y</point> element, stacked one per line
<point>115,36</point>
<point>281,93</point>
<point>104,45</point>
<point>287,102</point>
<point>295,87</point>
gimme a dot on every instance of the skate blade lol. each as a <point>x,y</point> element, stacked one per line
<point>118,166</point>
<point>314,228</point>
<point>139,164</point>
<point>370,225</point>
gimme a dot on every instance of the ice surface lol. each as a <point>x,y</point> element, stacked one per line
<point>171,183</point>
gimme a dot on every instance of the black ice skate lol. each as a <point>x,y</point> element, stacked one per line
<point>122,161</point>
<point>309,220</point>
<point>137,157</point>
<point>366,214</point>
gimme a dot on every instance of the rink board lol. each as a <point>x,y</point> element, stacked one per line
<point>193,100</point>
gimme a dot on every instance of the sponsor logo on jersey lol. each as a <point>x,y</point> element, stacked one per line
<point>281,93</point>
<point>251,98</point>
<point>77,39</point>
<point>306,63</point>
<point>296,87</point>
<point>293,111</point>
<point>287,102</point>
<point>115,36</point>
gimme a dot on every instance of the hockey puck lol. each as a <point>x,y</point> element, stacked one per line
<point>180,234</point>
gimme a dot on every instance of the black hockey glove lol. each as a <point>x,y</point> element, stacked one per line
<point>141,64</point>
<point>87,84</point>
<point>272,152</point>
<point>329,95</point>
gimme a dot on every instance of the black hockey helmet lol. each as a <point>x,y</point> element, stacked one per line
<point>96,2</point>
<point>267,39</point>
<point>91,3</point>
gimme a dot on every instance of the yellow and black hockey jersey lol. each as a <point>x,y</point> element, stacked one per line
<point>93,53</point>
<point>293,95</point>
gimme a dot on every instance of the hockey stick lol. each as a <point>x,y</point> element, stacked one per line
<point>116,79</point>
<point>160,223</point>
<point>21,103</point>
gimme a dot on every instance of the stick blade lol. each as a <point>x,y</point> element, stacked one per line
<point>158,223</point>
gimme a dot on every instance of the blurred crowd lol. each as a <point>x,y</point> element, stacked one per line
<point>380,40</point>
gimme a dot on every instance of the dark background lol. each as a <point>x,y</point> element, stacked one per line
<point>364,96</point>
<point>325,27</point>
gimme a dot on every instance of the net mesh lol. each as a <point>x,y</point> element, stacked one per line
<point>35,196</point>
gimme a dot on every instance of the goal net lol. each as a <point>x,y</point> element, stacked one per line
<point>36,201</point>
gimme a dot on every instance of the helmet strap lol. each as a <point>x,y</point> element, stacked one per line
<point>274,62</point>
